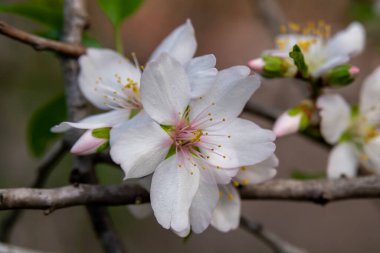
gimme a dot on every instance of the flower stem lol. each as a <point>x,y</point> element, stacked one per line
<point>118,39</point>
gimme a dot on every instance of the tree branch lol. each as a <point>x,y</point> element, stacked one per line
<point>277,244</point>
<point>40,43</point>
<point>51,159</point>
<point>316,191</point>
<point>5,248</point>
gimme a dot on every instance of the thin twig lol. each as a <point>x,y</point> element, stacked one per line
<point>277,244</point>
<point>51,159</point>
<point>315,191</point>
<point>40,43</point>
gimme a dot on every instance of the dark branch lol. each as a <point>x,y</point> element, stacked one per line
<point>40,43</point>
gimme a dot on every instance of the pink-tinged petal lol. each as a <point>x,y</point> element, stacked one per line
<point>103,75</point>
<point>354,71</point>
<point>226,215</point>
<point>256,64</point>
<point>180,44</point>
<point>370,97</point>
<point>343,161</point>
<point>335,116</point>
<point>172,192</point>
<point>240,143</point>
<point>87,144</point>
<point>108,119</point>
<point>140,149</point>
<point>165,90</point>
<point>203,206</point>
<point>287,124</point>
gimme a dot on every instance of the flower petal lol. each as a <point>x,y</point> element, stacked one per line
<point>240,143</point>
<point>104,72</point>
<point>87,144</point>
<point>348,42</point>
<point>203,206</point>
<point>227,212</point>
<point>258,173</point>
<point>107,119</point>
<point>202,72</point>
<point>372,150</point>
<point>165,90</point>
<point>139,150</point>
<point>335,116</point>
<point>370,97</point>
<point>180,44</point>
<point>343,161</point>
<point>173,189</point>
<point>287,124</point>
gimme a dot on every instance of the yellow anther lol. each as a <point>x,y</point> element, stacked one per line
<point>245,181</point>
<point>235,183</point>
<point>243,168</point>
<point>230,196</point>
<point>294,27</point>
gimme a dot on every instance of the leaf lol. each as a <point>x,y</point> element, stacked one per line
<point>299,60</point>
<point>303,175</point>
<point>39,136</point>
<point>50,15</point>
<point>118,10</point>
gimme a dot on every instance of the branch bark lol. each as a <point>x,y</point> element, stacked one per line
<point>315,191</point>
<point>40,43</point>
<point>277,244</point>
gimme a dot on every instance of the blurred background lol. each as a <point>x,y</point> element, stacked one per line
<point>235,31</point>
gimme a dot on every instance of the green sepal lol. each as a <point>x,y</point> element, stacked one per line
<point>133,113</point>
<point>274,66</point>
<point>299,60</point>
<point>294,111</point>
<point>167,129</point>
<point>339,76</point>
<point>171,152</point>
<point>101,133</point>
<point>103,147</point>
<point>346,136</point>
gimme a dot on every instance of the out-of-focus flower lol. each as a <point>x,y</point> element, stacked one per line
<point>112,83</point>
<point>189,144</point>
<point>321,53</point>
<point>355,131</point>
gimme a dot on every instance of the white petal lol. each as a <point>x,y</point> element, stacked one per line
<point>287,124</point>
<point>335,116</point>
<point>101,70</point>
<point>203,206</point>
<point>107,119</point>
<point>180,44</point>
<point>370,97</point>
<point>258,173</point>
<point>87,144</point>
<point>173,190</point>
<point>343,161</point>
<point>140,149</point>
<point>227,97</point>
<point>372,150</point>
<point>227,213</point>
<point>202,72</point>
<point>165,90</point>
<point>329,64</point>
<point>348,42</point>
<point>241,143</point>
<point>214,175</point>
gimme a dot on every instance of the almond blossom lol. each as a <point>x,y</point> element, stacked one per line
<point>355,131</point>
<point>189,143</point>
<point>321,52</point>
<point>112,83</point>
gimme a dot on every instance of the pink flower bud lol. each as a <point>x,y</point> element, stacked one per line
<point>287,124</point>
<point>354,71</point>
<point>256,64</point>
<point>87,144</point>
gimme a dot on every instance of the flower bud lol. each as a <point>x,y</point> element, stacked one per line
<point>270,66</point>
<point>287,124</point>
<point>341,75</point>
<point>88,144</point>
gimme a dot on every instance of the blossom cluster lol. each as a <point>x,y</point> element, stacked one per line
<point>175,124</point>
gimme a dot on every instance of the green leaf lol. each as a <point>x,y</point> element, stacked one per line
<point>102,133</point>
<point>299,60</point>
<point>39,136</point>
<point>50,15</point>
<point>307,175</point>
<point>118,10</point>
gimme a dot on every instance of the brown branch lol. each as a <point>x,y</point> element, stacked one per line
<point>40,43</point>
<point>55,154</point>
<point>277,244</point>
<point>316,191</point>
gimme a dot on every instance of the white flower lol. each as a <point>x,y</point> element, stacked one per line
<point>356,132</point>
<point>111,82</point>
<point>321,52</point>
<point>226,215</point>
<point>206,139</point>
